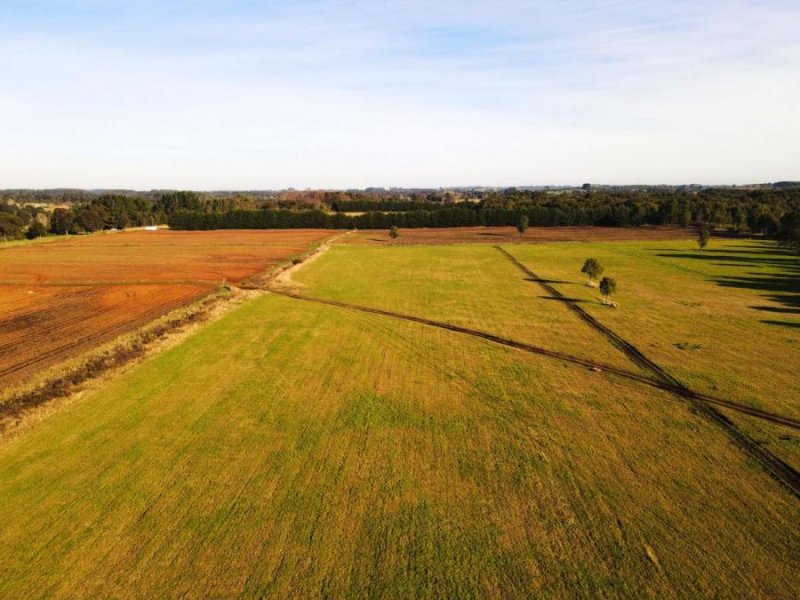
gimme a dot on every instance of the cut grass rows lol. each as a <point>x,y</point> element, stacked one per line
<point>295,449</point>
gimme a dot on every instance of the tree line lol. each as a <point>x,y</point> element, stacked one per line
<point>766,211</point>
<point>108,211</point>
<point>467,217</point>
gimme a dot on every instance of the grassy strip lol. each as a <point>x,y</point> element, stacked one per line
<point>20,403</point>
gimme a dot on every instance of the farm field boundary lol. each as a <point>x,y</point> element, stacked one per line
<point>61,301</point>
<point>22,405</point>
<point>153,333</point>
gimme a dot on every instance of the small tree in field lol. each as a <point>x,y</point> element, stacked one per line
<point>608,286</point>
<point>702,237</point>
<point>522,226</point>
<point>593,269</point>
<point>394,232</point>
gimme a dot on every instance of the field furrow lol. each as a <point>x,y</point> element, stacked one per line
<point>62,299</point>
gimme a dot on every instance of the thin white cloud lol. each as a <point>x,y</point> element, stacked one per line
<point>340,94</point>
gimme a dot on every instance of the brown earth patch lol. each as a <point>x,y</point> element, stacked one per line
<point>495,235</point>
<point>62,299</point>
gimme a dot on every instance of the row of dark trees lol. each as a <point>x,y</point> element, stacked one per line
<point>390,205</point>
<point>789,231</point>
<point>756,210</point>
<point>107,211</point>
<point>447,217</point>
<point>764,210</point>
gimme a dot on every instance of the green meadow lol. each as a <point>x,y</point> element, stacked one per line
<point>292,449</point>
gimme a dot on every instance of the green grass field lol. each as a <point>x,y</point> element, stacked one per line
<point>725,321</point>
<point>468,285</point>
<point>292,449</point>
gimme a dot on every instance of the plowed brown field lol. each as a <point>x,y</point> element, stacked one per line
<point>61,299</point>
<point>496,235</point>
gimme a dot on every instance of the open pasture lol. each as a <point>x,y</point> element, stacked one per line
<point>298,449</point>
<point>293,449</point>
<point>466,285</point>
<point>60,299</point>
<point>699,316</point>
<point>724,321</point>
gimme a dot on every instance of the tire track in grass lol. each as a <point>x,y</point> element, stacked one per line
<point>568,358</point>
<point>700,403</point>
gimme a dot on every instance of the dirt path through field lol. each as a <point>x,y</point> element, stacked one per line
<point>779,470</point>
<point>284,277</point>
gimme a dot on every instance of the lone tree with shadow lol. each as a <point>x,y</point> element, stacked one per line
<point>394,232</point>
<point>522,225</point>
<point>608,286</point>
<point>703,236</point>
<point>593,269</point>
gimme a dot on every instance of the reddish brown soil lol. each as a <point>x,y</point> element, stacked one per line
<point>495,235</point>
<point>153,256</point>
<point>63,298</point>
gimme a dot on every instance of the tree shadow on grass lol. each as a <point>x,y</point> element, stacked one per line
<point>781,285</point>
<point>550,281</point>
<point>757,248</point>
<point>790,324</point>
<point>781,288</point>
<point>776,309</point>
<point>732,260</point>
<point>565,299</point>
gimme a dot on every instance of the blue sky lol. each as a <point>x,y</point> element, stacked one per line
<point>248,94</point>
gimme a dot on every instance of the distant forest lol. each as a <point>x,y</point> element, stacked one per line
<point>769,211</point>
